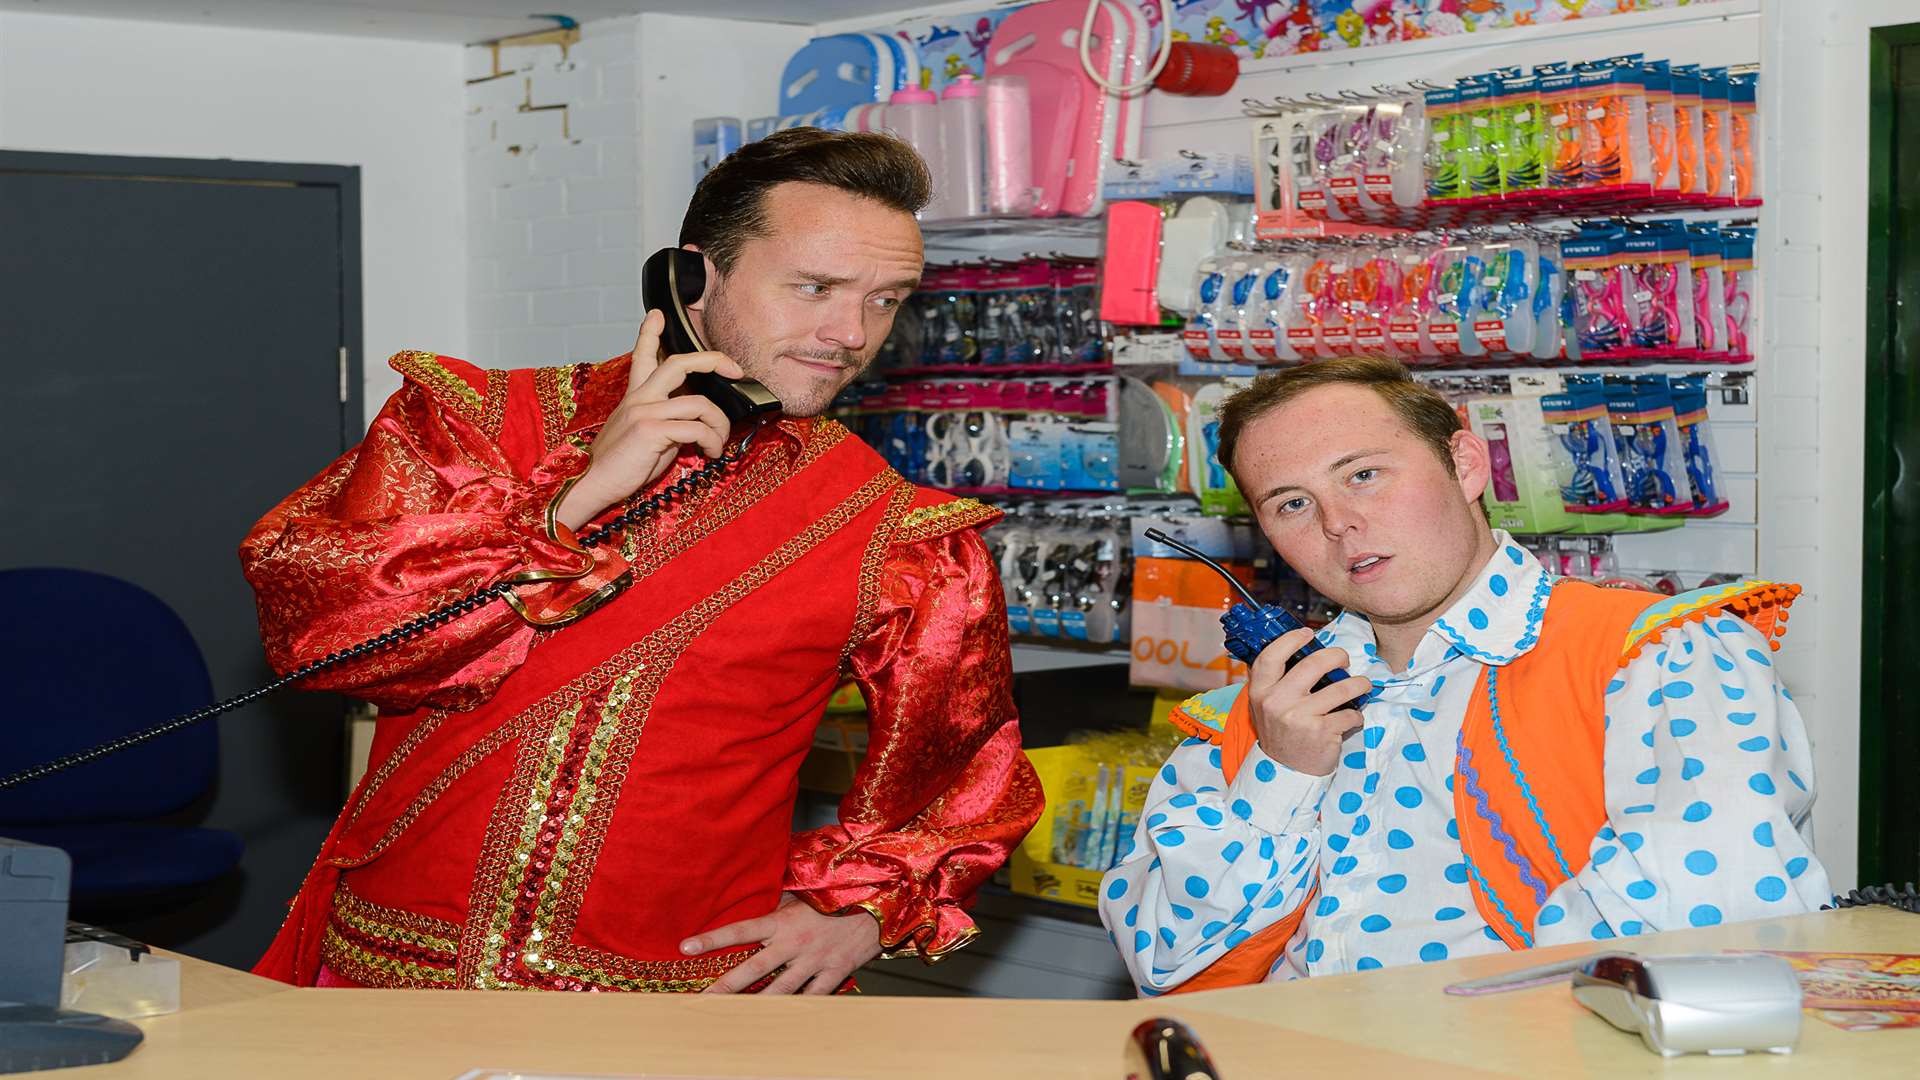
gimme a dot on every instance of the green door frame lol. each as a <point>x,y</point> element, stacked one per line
<point>1890,638</point>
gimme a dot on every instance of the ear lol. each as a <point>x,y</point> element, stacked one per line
<point>713,276</point>
<point>1472,464</point>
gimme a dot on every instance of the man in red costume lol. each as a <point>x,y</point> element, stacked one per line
<point>609,805</point>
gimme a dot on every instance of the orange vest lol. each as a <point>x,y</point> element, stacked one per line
<point>1529,781</point>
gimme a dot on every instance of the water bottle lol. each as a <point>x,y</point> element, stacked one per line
<point>913,115</point>
<point>963,149</point>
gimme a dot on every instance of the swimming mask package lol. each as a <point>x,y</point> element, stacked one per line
<point>1652,461</point>
<point>1585,457</point>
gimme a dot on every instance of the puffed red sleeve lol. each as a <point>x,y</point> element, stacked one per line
<point>945,792</point>
<point>428,508</point>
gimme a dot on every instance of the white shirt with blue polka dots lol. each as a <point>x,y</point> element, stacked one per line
<point>1709,779</point>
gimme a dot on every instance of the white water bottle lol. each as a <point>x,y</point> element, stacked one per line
<point>914,115</point>
<point>963,149</point>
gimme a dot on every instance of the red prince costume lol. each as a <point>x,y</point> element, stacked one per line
<point>559,808</point>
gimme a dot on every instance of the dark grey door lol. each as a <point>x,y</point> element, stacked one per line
<point>172,336</point>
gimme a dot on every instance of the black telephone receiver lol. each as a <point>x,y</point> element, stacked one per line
<point>672,279</point>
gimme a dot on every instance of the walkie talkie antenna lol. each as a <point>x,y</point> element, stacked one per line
<point>1159,537</point>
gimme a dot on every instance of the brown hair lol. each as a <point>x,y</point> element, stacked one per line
<point>1421,408</point>
<point>729,207</point>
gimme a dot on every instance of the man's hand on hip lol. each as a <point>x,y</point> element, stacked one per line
<point>818,951</point>
<point>649,426</point>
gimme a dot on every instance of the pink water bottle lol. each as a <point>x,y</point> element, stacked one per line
<point>1010,189</point>
<point>913,114</point>
<point>962,176</point>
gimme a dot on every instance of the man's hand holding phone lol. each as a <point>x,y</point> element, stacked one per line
<point>649,426</point>
<point>1298,726</point>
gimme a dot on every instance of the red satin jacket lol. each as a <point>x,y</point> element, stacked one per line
<point>559,808</point>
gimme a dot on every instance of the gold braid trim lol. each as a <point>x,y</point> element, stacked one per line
<point>495,417</point>
<point>393,924</point>
<point>554,387</point>
<point>452,390</point>
<point>928,522</point>
<point>412,741</point>
<point>872,562</point>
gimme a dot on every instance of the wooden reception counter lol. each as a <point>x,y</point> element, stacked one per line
<point>1394,1024</point>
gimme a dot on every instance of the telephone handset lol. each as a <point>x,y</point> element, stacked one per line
<point>1251,626</point>
<point>672,279</point>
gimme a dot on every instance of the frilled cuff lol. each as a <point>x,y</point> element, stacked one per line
<point>912,923</point>
<point>560,579</point>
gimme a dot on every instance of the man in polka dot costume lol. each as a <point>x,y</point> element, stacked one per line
<point>1367,487</point>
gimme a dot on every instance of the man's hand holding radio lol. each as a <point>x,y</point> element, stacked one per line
<point>1298,726</point>
<point>647,429</point>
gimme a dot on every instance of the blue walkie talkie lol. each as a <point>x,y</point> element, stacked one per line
<point>1252,626</point>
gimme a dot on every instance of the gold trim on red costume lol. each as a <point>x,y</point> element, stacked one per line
<point>542,843</point>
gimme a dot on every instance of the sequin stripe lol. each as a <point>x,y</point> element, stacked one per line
<point>1484,807</point>
<point>586,793</point>
<point>654,657</point>
<point>428,937</point>
<point>408,744</point>
<point>1519,776</point>
<point>554,389</point>
<point>368,965</point>
<point>929,522</point>
<point>867,596</point>
<point>541,767</point>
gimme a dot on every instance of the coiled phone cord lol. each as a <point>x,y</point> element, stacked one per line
<point>406,631</point>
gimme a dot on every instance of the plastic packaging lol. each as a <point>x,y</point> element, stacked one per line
<point>1737,271</point>
<point>1652,460</point>
<point>1503,282</point>
<point>1444,143</point>
<point>1559,89</point>
<point>1716,136</point>
<point>1209,292</point>
<point>1709,293</point>
<point>1688,146</point>
<point>1657,290</point>
<point>1585,456</point>
<point>1447,285</point>
<point>1743,137</point>
<point>108,979</point>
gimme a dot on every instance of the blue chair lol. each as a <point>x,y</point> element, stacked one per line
<point>85,658</point>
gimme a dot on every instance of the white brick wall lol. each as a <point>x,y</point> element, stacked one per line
<point>561,197</point>
<point>553,198</point>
